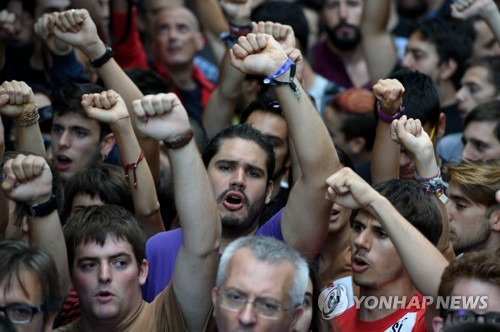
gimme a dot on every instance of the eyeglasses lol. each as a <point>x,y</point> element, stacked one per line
<point>235,301</point>
<point>459,317</point>
<point>18,313</point>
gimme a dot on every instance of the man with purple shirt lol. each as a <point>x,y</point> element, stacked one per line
<point>240,165</point>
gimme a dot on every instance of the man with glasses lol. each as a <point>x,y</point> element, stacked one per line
<point>261,284</point>
<point>474,274</point>
<point>29,288</point>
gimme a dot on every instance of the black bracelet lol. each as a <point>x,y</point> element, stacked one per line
<point>291,83</point>
<point>108,54</point>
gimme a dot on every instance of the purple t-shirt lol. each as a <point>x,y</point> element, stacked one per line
<point>330,65</point>
<point>162,250</point>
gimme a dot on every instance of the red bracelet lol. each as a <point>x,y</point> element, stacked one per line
<point>133,167</point>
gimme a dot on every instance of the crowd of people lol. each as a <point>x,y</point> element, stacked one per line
<point>315,165</point>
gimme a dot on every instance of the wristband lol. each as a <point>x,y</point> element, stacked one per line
<point>434,185</point>
<point>43,209</point>
<point>288,65</point>
<point>108,54</point>
<point>387,118</point>
<point>179,141</point>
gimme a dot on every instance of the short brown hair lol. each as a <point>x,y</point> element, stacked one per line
<point>95,223</point>
<point>482,266</point>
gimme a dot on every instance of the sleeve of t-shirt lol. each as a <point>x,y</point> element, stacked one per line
<point>272,227</point>
<point>161,253</point>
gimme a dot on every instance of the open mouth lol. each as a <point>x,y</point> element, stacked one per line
<point>359,264</point>
<point>62,162</point>
<point>233,201</point>
<point>104,296</point>
<point>334,215</point>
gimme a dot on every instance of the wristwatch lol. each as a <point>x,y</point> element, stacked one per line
<point>108,54</point>
<point>43,209</point>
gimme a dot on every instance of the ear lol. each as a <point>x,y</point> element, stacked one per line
<point>143,272</point>
<point>107,144</point>
<point>49,323</point>
<point>437,324</point>
<point>269,191</point>
<point>441,128</point>
<point>447,69</point>
<point>356,145</point>
<point>495,220</point>
<point>25,226</point>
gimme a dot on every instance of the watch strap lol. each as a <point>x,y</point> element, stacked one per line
<point>43,209</point>
<point>108,54</point>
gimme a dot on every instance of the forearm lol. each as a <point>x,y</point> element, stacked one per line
<point>377,43</point>
<point>30,139</point>
<point>200,225</point>
<point>222,102</point>
<point>46,233</point>
<point>140,180</point>
<point>385,155</point>
<point>115,78</point>
<point>313,145</point>
<point>411,245</point>
<point>492,18</point>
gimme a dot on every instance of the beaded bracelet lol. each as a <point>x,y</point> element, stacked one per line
<point>387,118</point>
<point>434,185</point>
<point>133,167</point>
<point>288,65</point>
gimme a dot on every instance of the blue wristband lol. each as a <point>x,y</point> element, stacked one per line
<point>281,70</point>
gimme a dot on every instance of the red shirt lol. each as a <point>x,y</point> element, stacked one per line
<point>407,319</point>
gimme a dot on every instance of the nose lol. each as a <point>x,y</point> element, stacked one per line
<point>343,11</point>
<point>363,240</point>
<point>239,178</point>
<point>247,316</point>
<point>104,273</point>
<point>65,139</point>
<point>460,95</point>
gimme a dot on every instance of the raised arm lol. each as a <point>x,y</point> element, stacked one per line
<point>385,155</point>
<point>410,135</point>
<point>378,46</point>
<point>163,117</point>
<point>349,190</point>
<point>306,210</point>
<point>4,205</point>
<point>486,9</point>
<point>222,103</point>
<point>77,29</point>
<point>29,182</point>
<point>21,108</point>
<point>108,107</point>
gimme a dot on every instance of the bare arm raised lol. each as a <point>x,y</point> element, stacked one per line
<point>306,210</point>
<point>108,107</point>
<point>76,28</point>
<point>163,117</point>
<point>29,181</point>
